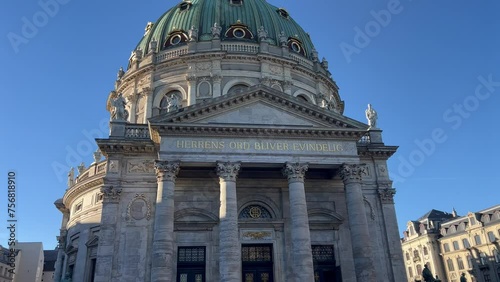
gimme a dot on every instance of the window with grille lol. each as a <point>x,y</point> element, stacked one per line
<point>254,212</point>
<point>323,253</point>
<point>256,253</point>
<point>191,264</point>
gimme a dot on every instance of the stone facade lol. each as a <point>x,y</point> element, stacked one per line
<point>231,160</point>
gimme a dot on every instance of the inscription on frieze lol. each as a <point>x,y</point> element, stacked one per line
<point>256,146</point>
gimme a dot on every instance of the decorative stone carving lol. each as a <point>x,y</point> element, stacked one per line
<point>71,177</point>
<point>139,208</point>
<point>382,170</point>
<point>371,116</point>
<point>257,235</point>
<point>144,82</point>
<point>136,55</point>
<point>216,78</point>
<point>173,103</point>
<point>136,167</point>
<point>314,55</point>
<point>283,38</point>
<point>262,33</point>
<point>276,70</point>
<point>193,34</point>
<point>81,168</point>
<point>118,111</point>
<point>167,171</point>
<point>387,195</point>
<point>113,166</point>
<point>324,63</point>
<point>352,172</point>
<point>97,155</point>
<point>111,194</point>
<point>61,239</point>
<point>216,30</point>
<point>203,66</point>
<point>227,170</point>
<point>372,212</point>
<point>295,171</point>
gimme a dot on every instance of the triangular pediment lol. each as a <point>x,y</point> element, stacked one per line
<point>259,106</point>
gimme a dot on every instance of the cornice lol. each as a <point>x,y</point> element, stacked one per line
<point>128,147</point>
<point>377,151</point>
<point>81,188</point>
<point>124,81</point>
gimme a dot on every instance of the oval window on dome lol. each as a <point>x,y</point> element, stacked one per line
<point>295,47</point>
<point>239,33</point>
<point>176,39</point>
<point>283,13</point>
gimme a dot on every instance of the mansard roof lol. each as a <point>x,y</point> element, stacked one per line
<point>435,215</point>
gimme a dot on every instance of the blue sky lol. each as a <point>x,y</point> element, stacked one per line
<point>425,68</point>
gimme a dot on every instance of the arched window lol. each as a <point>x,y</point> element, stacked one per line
<point>237,88</point>
<point>302,98</point>
<point>426,251</point>
<point>451,267</point>
<point>166,101</point>
<point>255,212</point>
<point>407,256</point>
<point>419,269</point>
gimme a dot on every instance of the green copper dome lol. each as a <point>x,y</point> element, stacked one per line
<point>235,17</point>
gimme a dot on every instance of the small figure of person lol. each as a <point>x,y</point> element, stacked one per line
<point>462,278</point>
<point>119,112</point>
<point>216,30</point>
<point>427,274</point>
<point>371,116</point>
<point>71,177</point>
<point>193,33</point>
<point>262,33</point>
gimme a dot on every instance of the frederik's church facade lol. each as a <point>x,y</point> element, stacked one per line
<point>229,159</point>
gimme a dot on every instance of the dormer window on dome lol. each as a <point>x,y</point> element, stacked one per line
<point>284,13</point>
<point>184,5</point>
<point>239,31</point>
<point>236,2</point>
<point>175,38</point>
<point>296,46</point>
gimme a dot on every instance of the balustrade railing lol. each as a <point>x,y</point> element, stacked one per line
<point>171,54</point>
<point>238,47</point>
<point>137,131</point>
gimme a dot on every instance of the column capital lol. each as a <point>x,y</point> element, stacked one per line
<point>352,172</point>
<point>111,194</point>
<point>166,170</point>
<point>228,170</point>
<point>295,172</point>
<point>387,195</point>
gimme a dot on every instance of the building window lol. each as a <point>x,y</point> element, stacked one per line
<point>237,88</point>
<point>446,247</point>
<point>465,242</point>
<point>477,239</point>
<point>419,269</point>
<point>410,271</point>
<point>184,6</point>
<point>426,251</point>
<point>491,237</point>
<point>191,264</point>
<point>78,207</point>
<point>449,262</point>
<point>415,254</point>
<point>407,256</point>
<point>455,246</point>
<point>482,257</point>
<point>236,2</point>
<point>254,212</point>
<point>282,12</point>
<point>496,255</point>
<point>472,221</point>
<point>460,263</point>
<point>469,261</point>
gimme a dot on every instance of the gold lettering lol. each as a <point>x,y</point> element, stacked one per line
<point>285,146</point>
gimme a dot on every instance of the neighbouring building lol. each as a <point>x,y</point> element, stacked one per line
<point>452,245</point>
<point>470,244</point>
<point>30,264</point>
<point>49,264</point>
<point>421,245</point>
<point>229,158</point>
<point>5,265</point>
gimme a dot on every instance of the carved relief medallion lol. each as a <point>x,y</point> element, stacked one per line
<point>139,208</point>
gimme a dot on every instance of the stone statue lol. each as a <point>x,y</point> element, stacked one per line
<point>153,45</point>
<point>427,274</point>
<point>148,28</point>
<point>81,168</point>
<point>262,33</point>
<point>193,34</point>
<point>371,116</point>
<point>283,38</point>
<point>118,112</point>
<point>172,103</point>
<point>216,30</point>
<point>71,177</point>
<point>120,74</point>
<point>314,55</point>
<point>324,63</point>
<point>136,55</point>
<point>97,155</point>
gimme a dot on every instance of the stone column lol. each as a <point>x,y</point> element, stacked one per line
<point>107,233</point>
<point>191,95</point>
<point>163,236</point>
<point>229,244</point>
<point>301,237</point>
<point>61,239</point>
<point>358,225</point>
